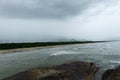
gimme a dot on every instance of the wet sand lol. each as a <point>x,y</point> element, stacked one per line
<point>27,49</point>
<point>20,50</point>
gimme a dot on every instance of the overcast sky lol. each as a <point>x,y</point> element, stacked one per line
<point>54,20</point>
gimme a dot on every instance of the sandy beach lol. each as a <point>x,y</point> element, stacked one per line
<point>41,47</point>
<point>20,50</point>
<point>26,49</point>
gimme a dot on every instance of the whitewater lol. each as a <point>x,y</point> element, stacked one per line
<point>106,55</point>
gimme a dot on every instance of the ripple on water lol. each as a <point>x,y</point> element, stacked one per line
<point>105,55</point>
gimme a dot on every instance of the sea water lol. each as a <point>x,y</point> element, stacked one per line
<point>106,55</point>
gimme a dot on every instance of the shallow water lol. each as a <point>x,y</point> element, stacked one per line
<point>105,55</point>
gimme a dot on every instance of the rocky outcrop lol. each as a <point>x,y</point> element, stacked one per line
<point>68,71</point>
<point>112,74</point>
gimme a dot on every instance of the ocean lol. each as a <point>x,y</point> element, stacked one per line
<point>106,55</point>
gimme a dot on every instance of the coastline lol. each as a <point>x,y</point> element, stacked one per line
<point>21,50</point>
<point>7,51</point>
<point>44,45</point>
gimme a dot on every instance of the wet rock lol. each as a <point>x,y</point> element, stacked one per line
<point>112,74</point>
<point>68,71</point>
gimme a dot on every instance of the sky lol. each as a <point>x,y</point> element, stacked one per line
<point>59,20</point>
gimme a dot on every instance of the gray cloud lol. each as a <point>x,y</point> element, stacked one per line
<point>54,20</point>
<point>44,8</point>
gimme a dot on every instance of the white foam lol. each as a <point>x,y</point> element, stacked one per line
<point>115,62</point>
<point>63,53</point>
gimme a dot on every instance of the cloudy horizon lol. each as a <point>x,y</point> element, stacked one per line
<point>56,20</point>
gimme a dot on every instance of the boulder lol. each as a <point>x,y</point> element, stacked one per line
<point>68,71</point>
<point>112,74</point>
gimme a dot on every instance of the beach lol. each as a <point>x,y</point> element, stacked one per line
<point>19,50</point>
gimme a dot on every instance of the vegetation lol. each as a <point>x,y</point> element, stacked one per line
<point>4,46</point>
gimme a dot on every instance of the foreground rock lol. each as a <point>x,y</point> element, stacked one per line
<point>69,71</point>
<point>112,74</point>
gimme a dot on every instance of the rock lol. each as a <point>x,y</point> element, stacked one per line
<point>68,71</point>
<point>112,74</point>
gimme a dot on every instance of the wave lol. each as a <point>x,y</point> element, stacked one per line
<point>63,53</point>
<point>115,62</point>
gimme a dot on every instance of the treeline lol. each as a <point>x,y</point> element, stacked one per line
<point>4,46</point>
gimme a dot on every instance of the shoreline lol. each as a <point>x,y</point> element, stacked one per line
<point>6,51</point>
<point>21,50</point>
